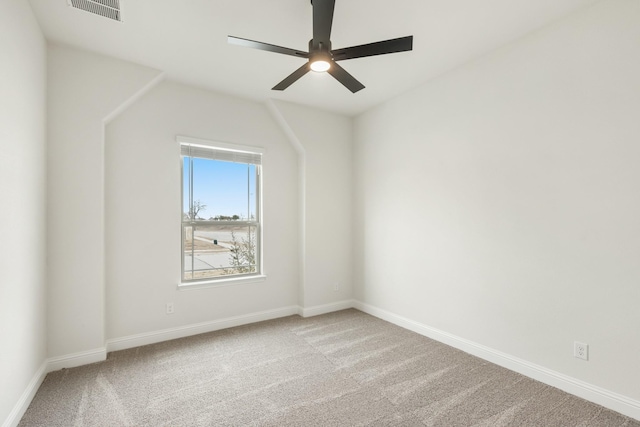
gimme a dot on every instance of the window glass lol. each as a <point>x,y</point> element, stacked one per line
<point>220,217</point>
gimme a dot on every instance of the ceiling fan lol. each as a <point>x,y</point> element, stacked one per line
<point>320,56</point>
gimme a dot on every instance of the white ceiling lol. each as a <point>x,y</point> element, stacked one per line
<point>188,40</point>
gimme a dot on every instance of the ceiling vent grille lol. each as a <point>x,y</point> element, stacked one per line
<point>107,8</point>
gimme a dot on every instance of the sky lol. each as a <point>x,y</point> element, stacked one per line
<point>221,186</point>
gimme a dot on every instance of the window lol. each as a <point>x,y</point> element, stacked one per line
<point>221,223</point>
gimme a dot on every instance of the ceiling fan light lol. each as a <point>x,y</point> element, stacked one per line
<point>320,66</point>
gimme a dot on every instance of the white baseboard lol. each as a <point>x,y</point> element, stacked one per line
<point>100,354</point>
<point>606,398</point>
<point>76,359</point>
<point>27,396</point>
<point>592,393</point>
<point>325,308</point>
<point>50,365</point>
<point>147,338</point>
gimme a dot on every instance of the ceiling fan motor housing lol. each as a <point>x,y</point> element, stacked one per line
<point>319,47</point>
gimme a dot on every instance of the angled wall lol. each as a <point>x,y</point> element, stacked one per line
<point>324,143</point>
<point>84,90</point>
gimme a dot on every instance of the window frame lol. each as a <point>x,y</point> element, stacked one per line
<point>230,279</point>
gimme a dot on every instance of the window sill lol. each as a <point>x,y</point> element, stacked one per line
<point>205,284</point>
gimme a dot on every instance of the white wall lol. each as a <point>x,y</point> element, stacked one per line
<point>112,266</point>
<point>22,194</point>
<point>500,202</point>
<point>143,212</point>
<point>324,144</point>
<point>83,90</point>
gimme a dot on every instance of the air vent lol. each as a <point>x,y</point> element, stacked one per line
<point>107,8</point>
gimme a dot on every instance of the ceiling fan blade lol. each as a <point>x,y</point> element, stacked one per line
<point>293,77</point>
<point>322,21</point>
<point>401,44</point>
<point>345,78</point>
<point>266,46</point>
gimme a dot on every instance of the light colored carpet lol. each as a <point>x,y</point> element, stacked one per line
<point>340,369</point>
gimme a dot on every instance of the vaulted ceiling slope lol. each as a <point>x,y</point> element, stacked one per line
<point>188,40</point>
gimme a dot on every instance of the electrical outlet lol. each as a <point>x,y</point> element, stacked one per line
<point>336,286</point>
<point>581,350</point>
<point>169,308</point>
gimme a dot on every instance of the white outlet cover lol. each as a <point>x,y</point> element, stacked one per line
<point>581,350</point>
